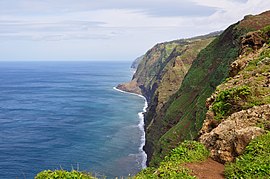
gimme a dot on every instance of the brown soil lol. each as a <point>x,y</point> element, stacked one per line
<point>208,169</point>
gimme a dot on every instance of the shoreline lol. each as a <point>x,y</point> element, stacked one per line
<point>140,125</point>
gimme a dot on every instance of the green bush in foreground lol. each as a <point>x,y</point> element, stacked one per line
<point>254,163</point>
<point>62,174</point>
<point>172,166</point>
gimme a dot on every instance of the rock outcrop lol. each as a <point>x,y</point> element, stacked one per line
<point>229,139</point>
<point>131,87</point>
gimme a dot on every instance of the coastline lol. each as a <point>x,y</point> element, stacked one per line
<point>140,125</point>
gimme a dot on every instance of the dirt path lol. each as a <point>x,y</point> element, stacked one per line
<point>208,169</point>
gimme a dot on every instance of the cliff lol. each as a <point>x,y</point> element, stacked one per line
<point>159,76</point>
<point>239,110</point>
<point>224,103</point>
<point>177,77</point>
<point>183,115</point>
<point>167,63</point>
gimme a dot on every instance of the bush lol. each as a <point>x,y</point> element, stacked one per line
<point>227,100</point>
<point>266,30</point>
<point>254,163</point>
<point>62,174</point>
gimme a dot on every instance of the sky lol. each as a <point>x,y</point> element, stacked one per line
<point>109,29</point>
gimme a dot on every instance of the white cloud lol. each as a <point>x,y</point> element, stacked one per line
<point>124,28</point>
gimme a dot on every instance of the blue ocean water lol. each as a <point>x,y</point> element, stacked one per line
<point>67,115</point>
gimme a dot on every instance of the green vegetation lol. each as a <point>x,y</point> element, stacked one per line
<point>249,88</point>
<point>172,166</point>
<point>229,101</point>
<point>62,174</point>
<point>254,163</point>
<point>254,64</point>
<point>266,31</point>
<point>185,111</point>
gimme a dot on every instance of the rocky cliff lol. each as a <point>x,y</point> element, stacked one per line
<point>177,78</point>
<point>239,110</point>
<point>160,74</point>
<point>183,115</point>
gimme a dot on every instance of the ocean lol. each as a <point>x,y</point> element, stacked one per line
<point>67,115</point>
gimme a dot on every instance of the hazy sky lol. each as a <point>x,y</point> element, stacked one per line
<point>109,29</point>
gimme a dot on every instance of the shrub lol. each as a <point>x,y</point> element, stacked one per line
<point>227,100</point>
<point>266,30</point>
<point>62,174</point>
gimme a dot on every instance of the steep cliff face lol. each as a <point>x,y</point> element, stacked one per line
<point>239,110</point>
<point>183,115</point>
<point>166,62</point>
<point>160,74</point>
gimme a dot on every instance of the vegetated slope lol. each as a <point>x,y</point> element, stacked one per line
<point>239,110</point>
<point>184,113</point>
<point>161,71</point>
<point>172,167</point>
<point>158,65</point>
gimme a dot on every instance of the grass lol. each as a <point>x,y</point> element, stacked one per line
<point>172,166</point>
<point>63,174</point>
<point>254,163</point>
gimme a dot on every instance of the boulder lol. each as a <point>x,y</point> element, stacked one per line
<point>230,138</point>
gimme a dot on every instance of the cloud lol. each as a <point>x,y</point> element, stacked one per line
<point>50,29</point>
<point>150,7</point>
<point>229,11</point>
<point>124,28</point>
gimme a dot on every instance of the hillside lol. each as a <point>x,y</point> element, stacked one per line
<point>160,74</point>
<point>184,113</point>
<point>237,111</point>
<point>177,77</point>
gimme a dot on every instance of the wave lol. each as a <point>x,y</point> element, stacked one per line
<point>140,125</point>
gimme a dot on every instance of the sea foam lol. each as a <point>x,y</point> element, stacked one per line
<point>140,125</point>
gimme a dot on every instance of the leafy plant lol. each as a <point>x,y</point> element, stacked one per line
<point>266,30</point>
<point>63,174</point>
<point>227,100</point>
<point>254,163</point>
